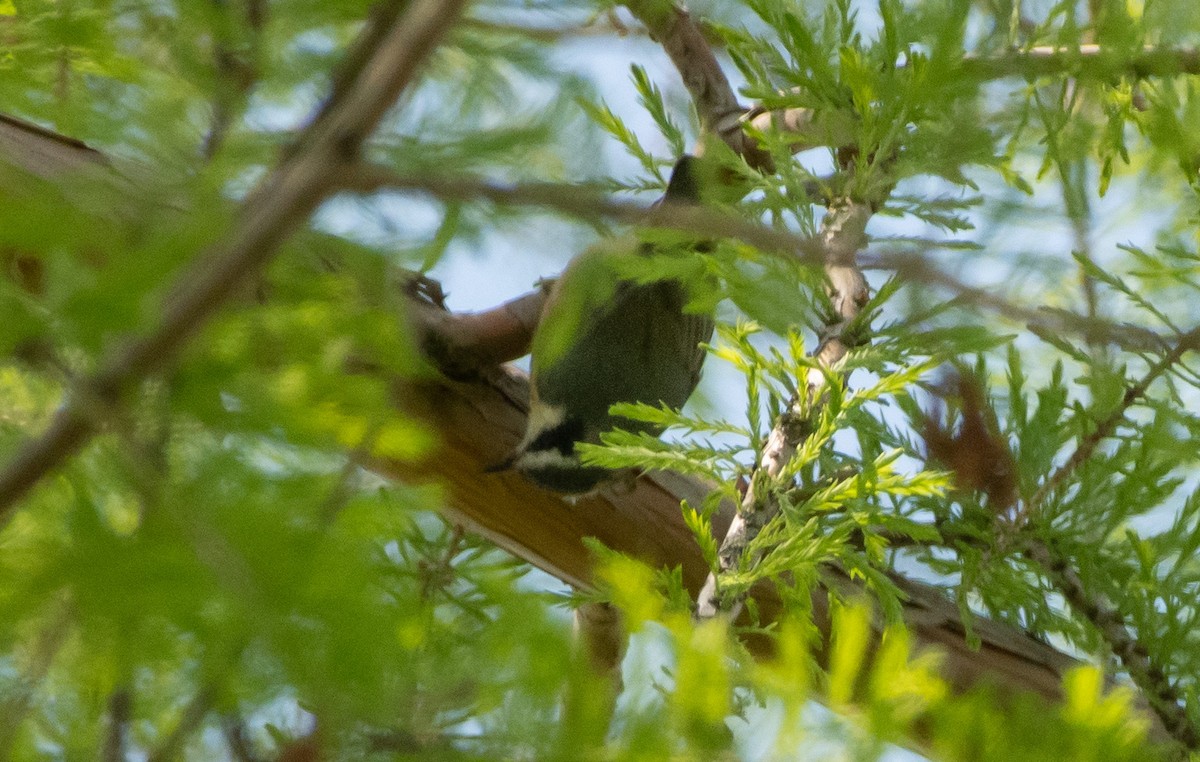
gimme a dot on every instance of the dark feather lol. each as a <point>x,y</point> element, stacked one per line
<point>600,344</point>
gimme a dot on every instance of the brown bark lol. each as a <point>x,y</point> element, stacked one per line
<point>479,423</point>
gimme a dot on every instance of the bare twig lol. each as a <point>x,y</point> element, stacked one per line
<point>275,209</point>
<point>600,25</point>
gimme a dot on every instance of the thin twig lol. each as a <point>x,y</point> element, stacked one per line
<point>1089,61</point>
<point>842,236</point>
<point>599,25</point>
<point>120,709</point>
<point>272,212</point>
<point>1164,698</point>
<point>585,203</point>
<point>1104,429</point>
<point>193,714</point>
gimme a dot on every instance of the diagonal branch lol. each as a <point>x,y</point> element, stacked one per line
<point>716,104</point>
<point>1104,429</point>
<point>1149,677</point>
<point>273,211</point>
<point>842,236</point>
<point>189,722</point>
<point>1162,696</point>
<point>721,115</point>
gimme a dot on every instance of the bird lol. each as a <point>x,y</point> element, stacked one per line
<point>602,340</point>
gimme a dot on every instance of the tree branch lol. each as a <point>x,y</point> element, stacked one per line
<point>480,422</point>
<point>843,234</point>
<point>1089,61</point>
<point>193,714</point>
<point>490,335</point>
<point>1150,678</point>
<point>716,104</point>
<point>1104,429</point>
<point>120,709</point>
<point>274,210</point>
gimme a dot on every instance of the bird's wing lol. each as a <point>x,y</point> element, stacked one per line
<point>699,329</point>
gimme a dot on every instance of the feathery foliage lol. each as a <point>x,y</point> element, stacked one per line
<point>214,575</point>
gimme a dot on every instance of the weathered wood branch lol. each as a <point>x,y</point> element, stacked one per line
<point>480,422</point>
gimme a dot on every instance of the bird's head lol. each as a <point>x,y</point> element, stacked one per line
<point>547,454</point>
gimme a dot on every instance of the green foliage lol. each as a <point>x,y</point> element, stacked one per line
<point>878,694</point>
<point>215,562</point>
